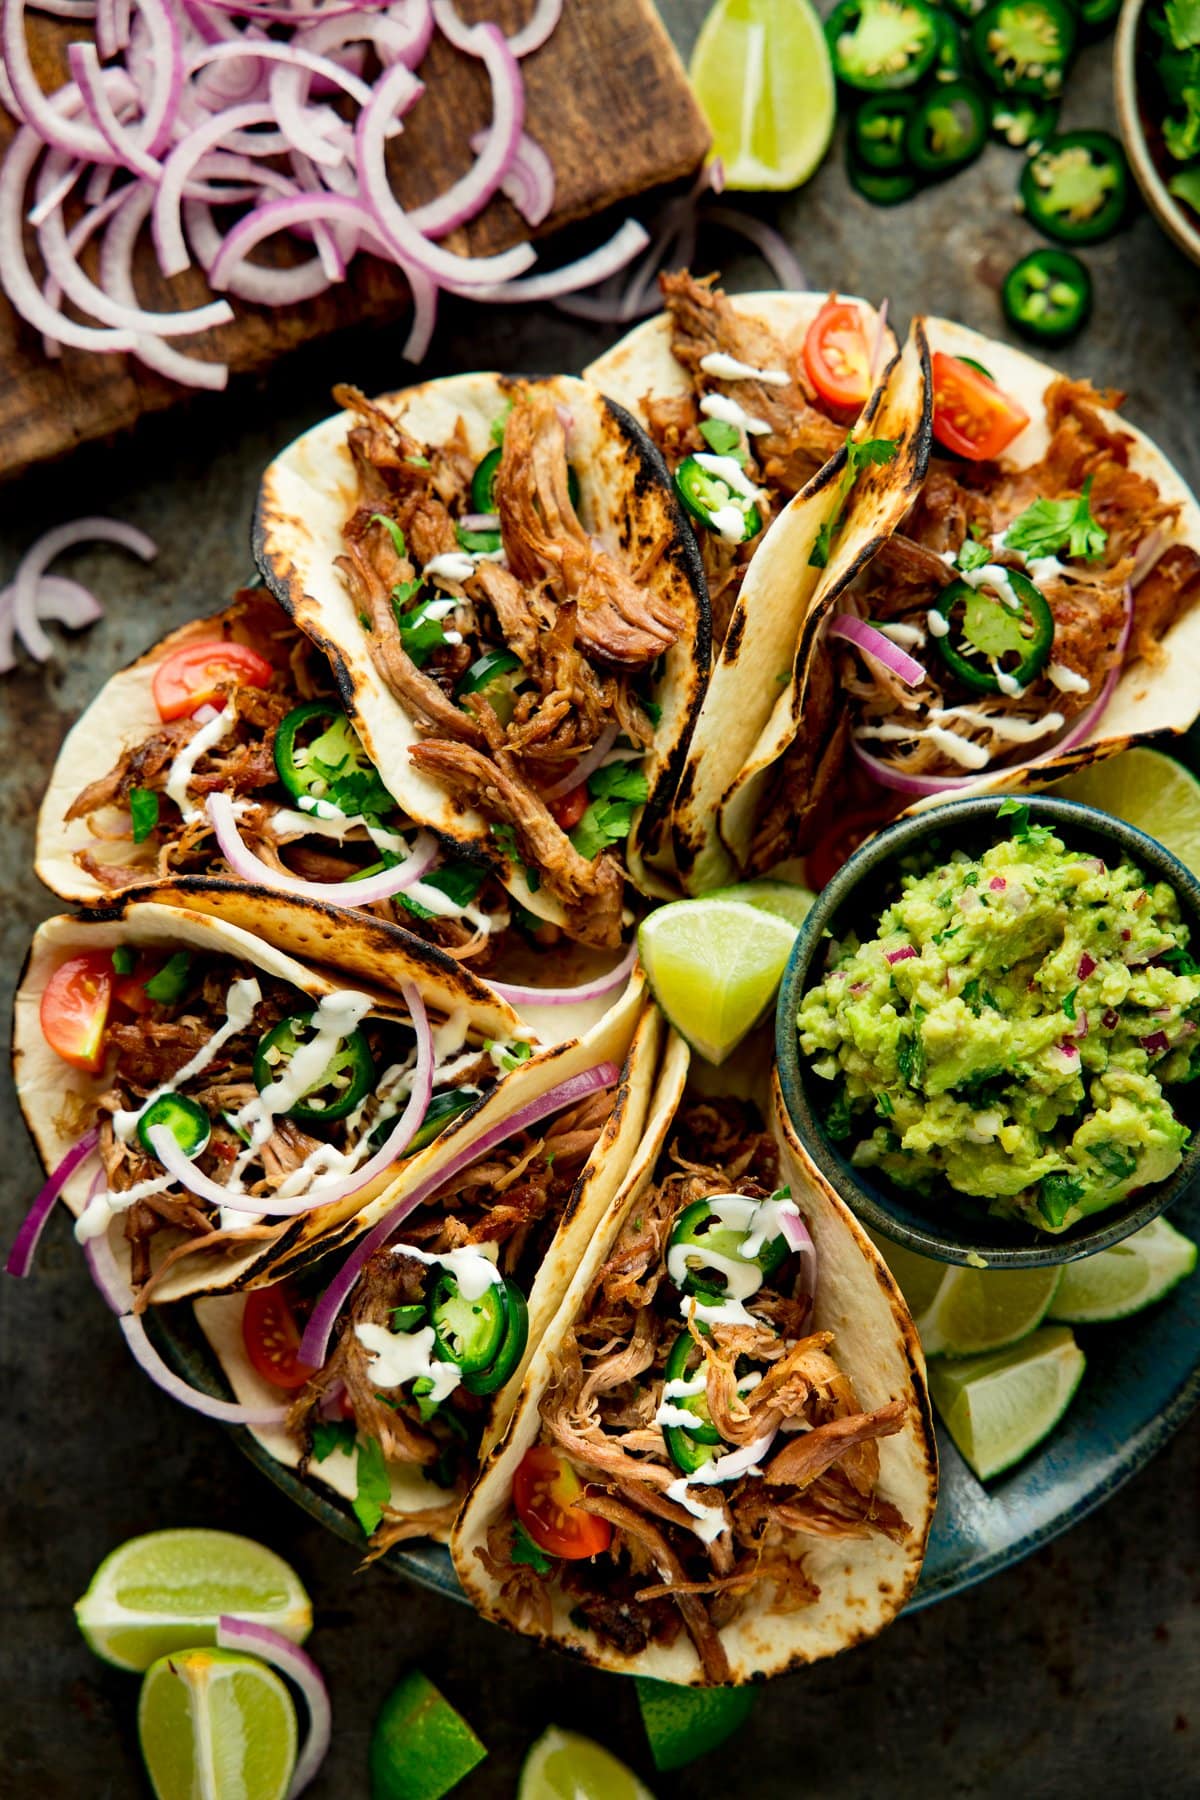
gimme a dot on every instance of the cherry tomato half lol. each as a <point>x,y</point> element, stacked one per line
<point>837,357</point>
<point>546,1494</point>
<point>567,809</point>
<point>272,1337</point>
<point>194,675</point>
<point>971,415</point>
<point>74,1009</point>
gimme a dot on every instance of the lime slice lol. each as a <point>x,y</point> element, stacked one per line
<point>166,1591</point>
<point>1149,790</point>
<point>786,899</point>
<point>762,74</point>
<point>917,1277</point>
<point>714,966</point>
<point>1133,1274</point>
<point>216,1725</point>
<point>975,1310</point>
<point>564,1766</point>
<point>998,1407</point>
<point>683,1723</point>
<point>420,1747</point>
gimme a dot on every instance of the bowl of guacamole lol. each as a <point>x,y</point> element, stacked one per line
<point>989,1031</point>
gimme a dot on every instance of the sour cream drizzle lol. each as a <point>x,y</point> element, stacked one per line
<point>334,1018</point>
<point>727,368</point>
<point>400,1356</point>
<point>723,407</point>
<point>184,765</point>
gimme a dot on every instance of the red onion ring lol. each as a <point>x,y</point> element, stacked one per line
<point>20,1257</point>
<point>587,765</point>
<point>244,1634</point>
<point>125,144</point>
<point>169,243</point>
<point>228,1412</point>
<point>367,892</point>
<point>516,995</point>
<point>774,250</point>
<point>40,555</point>
<point>799,1239</point>
<point>529,183</point>
<point>620,249</point>
<point>315,1343</point>
<point>501,141</point>
<point>59,601</point>
<point>116,272</point>
<point>873,642</point>
<point>252,281</point>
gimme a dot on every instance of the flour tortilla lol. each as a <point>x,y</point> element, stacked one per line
<point>863,1583</point>
<point>626,500</point>
<point>774,596</point>
<point>55,1098</point>
<point>412,1492</point>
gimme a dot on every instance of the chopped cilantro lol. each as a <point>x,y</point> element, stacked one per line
<point>1178,959</point>
<point>365,622</point>
<point>124,959</point>
<point>883,1105</point>
<point>393,531</point>
<point>1117,1160</point>
<point>420,635</point>
<point>477,543</point>
<point>653,711</point>
<point>1068,1004</point>
<point>858,456</point>
<point>171,981</point>
<point>617,790</point>
<point>417,462</point>
<point>1049,526</point>
<point>818,556</point>
<point>349,780</point>
<point>374,1487</point>
<point>524,1550</point>
<point>838,1122</point>
<point>876,451</point>
<point>1057,1196</point>
<point>972,556</point>
<point>459,881</point>
<point>910,1058</point>
<point>509,1055</point>
<point>143,811</point>
<point>506,841</point>
<point>422,1388</point>
<point>329,1435</point>
<point>499,422</point>
<point>722,438</point>
<point>1018,812</point>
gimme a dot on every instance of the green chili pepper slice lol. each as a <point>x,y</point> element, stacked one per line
<point>306,765</point>
<point>407,1318</point>
<point>948,129</point>
<point>878,45</point>
<point>950,61</point>
<point>438,1114</point>
<point>877,131</point>
<point>1024,46</point>
<point>985,627</point>
<point>1076,188</point>
<point>689,1447</point>
<point>485,1337</point>
<point>1023,122</point>
<point>347,1078</point>
<point>1097,16</point>
<point>187,1121</point>
<point>701,1229</point>
<point>705,495</point>
<point>882,187</point>
<point>1047,295</point>
<point>483,483</point>
<point>966,9</point>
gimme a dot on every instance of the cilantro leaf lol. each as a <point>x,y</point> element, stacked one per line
<point>420,636</point>
<point>838,1122</point>
<point>1186,186</point>
<point>524,1550</point>
<point>171,981</point>
<point>459,881</point>
<point>329,1435</point>
<point>125,960</point>
<point>722,438</point>
<point>860,453</point>
<point>1057,1195</point>
<point>972,556</point>
<point>1183,23</point>
<point>818,556</point>
<point>477,543</point>
<point>617,791</point>
<point>508,1056</point>
<point>505,839</point>
<point>393,531</point>
<point>1018,812</point>
<point>619,781</point>
<point>1117,1160</point>
<point>374,1488</point>
<point>1049,526</point>
<point>1068,1004</point>
<point>143,812</point>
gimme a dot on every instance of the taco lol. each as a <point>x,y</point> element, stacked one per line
<point>231,735</point>
<point>238,1105</point>
<point>1035,611</point>
<point>722,1462</point>
<point>501,577</point>
<point>444,1317</point>
<point>751,399</point>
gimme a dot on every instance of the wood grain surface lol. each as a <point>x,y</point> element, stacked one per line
<point>606,97</point>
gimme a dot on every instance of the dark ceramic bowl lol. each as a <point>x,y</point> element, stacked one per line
<point>951,1228</point>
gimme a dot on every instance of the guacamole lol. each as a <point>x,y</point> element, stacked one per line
<point>1010,1030</point>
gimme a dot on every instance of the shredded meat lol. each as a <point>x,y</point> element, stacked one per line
<point>701,1630</point>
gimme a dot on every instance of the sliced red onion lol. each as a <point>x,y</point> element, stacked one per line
<point>229,1412</point>
<point>1158,1040</point>
<point>1081,1022</point>
<point>1016,898</point>
<point>874,642</point>
<point>542,22</point>
<point>251,281</point>
<point>40,555</point>
<point>244,1634</point>
<point>20,1257</point>
<point>1148,554</point>
<point>589,990</point>
<point>799,1239</point>
<point>597,265</point>
<point>997,884</point>
<point>67,9</point>
<point>469,195</point>
<point>47,114</point>
<point>124,143</point>
<point>116,272</point>
<point>899,956</point>
<point>1110,1019</point>
<point>586,765</point>
<point>1087,966</point>
<point>774,250</point>
<point>481,521</point>
<point>169,243</point>
<point>115,1290</point>
<point>366,892</point>
<point>529,183</point>
<point>315,1343</point>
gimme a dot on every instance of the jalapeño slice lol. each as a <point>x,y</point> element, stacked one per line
<point>485,1337</point>
<point>712,501</point>
<point>483,483</point>
<point>1097,16</point>
<point>877,131</point>
<point>877,45</point>
<point>882,187</point>
<point>689,1447</point>
<point>700,1229</point>
<point>948,128</point>
<point>1024,46</point>
<point>951,59</point>
<point>1077,187</point>
<point>1047,295</point>
<point>347,1078</point>
<point>316,745</point>
<point>438,1114</point>
<point>187,1122</point>
<point>991,644</point>
<point>1023,122</point>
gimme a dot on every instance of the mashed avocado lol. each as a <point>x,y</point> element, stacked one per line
<point>1010,1029</point>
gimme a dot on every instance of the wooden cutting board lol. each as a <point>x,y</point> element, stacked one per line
<point>606,98</point>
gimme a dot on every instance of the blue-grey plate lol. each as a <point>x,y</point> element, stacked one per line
<point>1142,1379</point>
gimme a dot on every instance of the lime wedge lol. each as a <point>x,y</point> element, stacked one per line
<point>975,1310</point>
<point>786,899</point>
<point>166,1591</point>
<point>216,1725</point>
<point>420,1747</point>
<point>998,1407</point>
<point>564,1766</point>
<point>683,1723</point>
<point>714,966</point>
<point>762,74</point>
<point>918,1277</point>
<point>1149,790</point>
<point>1133,1274</point>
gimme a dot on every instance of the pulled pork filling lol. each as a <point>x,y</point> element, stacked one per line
<point>317,847</point>
<point>508,1207</point>
<point>684,1553</point>
<point>946,726</point>
<point>155,1042</point>
<point>793,435</point>
<point>518,650</point>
